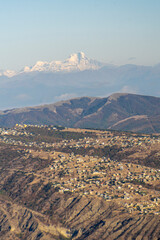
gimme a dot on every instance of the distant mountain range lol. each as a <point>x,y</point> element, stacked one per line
<point>76,62</point>
<point>77,76</point>
<point>121,111</point>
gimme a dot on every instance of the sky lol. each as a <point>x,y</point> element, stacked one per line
<point>111,31</point>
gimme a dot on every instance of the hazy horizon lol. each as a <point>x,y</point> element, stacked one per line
<point>63,60</point>
<point>108,31</point>
<point>114,32</point>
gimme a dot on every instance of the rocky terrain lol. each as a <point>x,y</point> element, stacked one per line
<point>126,112</point>
<point>83,218</point>
<point>78,184</point>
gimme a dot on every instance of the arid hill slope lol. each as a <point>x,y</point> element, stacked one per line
<point>78,184</point>
<point>127,112</point>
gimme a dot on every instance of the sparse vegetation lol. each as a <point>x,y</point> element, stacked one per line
<point>67,176</point>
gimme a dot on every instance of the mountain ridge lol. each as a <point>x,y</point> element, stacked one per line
<point>120,111</point>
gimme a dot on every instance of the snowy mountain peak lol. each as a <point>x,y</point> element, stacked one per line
<point>81,55</point>
<point>76,62</point>
<point>77,57</point>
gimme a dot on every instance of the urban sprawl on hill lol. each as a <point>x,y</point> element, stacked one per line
<point>70,183</point>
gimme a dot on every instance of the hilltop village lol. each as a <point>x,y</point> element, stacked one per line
<point>115,166</point>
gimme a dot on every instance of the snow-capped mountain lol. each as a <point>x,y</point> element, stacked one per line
<point>48,82</point>
<point>76,62</point>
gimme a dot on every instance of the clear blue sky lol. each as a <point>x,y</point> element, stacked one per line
<point>113,31</point>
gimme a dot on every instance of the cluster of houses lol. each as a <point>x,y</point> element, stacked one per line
<point>107,179</point>
<point>134,186</point>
